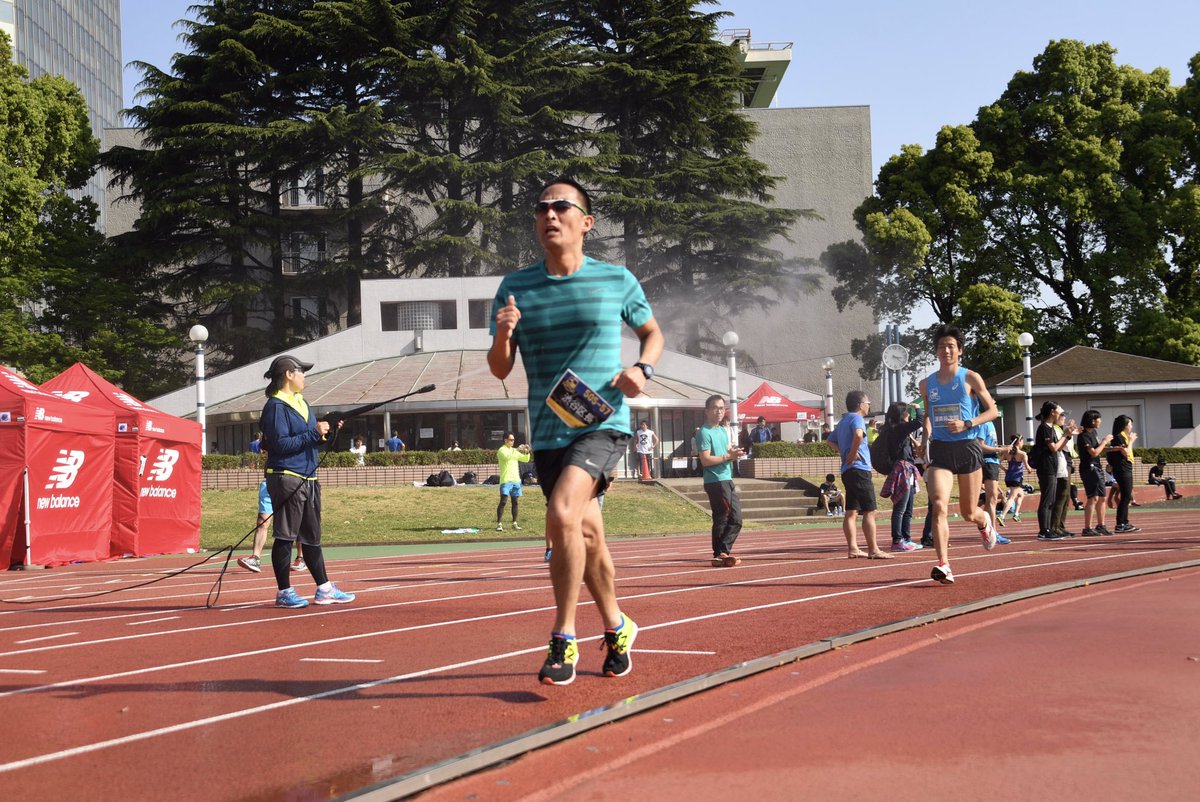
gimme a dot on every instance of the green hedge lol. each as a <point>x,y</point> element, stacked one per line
<point>467,456</point>
<point>784,449</point>
<point>221,462</point>
<point>1151,455</point>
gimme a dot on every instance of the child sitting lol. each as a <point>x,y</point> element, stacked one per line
<point>831,497</point>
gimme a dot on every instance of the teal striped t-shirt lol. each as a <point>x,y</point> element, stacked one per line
<point>572,322</point>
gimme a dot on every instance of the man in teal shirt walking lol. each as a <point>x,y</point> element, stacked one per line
<point>717,457</point>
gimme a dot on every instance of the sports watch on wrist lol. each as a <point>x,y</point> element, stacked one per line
<point>647,370</point>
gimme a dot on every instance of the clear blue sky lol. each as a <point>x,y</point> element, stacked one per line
<point>919,64</point>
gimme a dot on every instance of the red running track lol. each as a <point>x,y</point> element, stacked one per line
<point>1100,701</point>
<point>145,693</point>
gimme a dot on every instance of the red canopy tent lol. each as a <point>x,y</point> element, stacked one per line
<point>767,402</point>
<point>156,497</point>
<point>56,477</point>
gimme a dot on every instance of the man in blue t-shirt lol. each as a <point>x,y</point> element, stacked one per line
<point>850,437</point>
<point>394,443</point>
<point>565,313</point>
<point>716,457</point>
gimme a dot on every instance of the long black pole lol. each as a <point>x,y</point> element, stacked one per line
<point>337,417</point>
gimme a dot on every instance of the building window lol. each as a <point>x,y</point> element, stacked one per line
<point>303,252</point>
<point>307,190</point>
<point>1181,416</point>
<point>479,313</point>
<point>418,315</point>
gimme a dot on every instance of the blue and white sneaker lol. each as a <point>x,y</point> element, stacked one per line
<point>1002,540</point>
<point>332,596</point>
<point>290,599</point>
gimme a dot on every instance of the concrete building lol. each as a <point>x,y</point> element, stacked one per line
<point>81,41</point>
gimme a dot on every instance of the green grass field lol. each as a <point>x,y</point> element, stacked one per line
<point>400,514</point>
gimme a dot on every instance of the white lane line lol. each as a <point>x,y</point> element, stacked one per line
<point>336,660</point>
<point>70,622</point>
<point>48,637</point>
<point>686,549</point>
<point>151,621</point>
<point>496,616</point>
<point>188,725</point>
<point>22,671</point>
<point>840,561</point>
<point>669,651</point>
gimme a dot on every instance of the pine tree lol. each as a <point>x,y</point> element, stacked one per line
<point>687,203</point>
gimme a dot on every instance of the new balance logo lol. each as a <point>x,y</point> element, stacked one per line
<point>163,465</point>
<point>65,469</point>
<point>72,395</point>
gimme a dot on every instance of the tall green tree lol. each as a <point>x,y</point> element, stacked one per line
<point>1074,203</point>
<point>1073,191</point>
<point>678,194</point>
<point>490,125</point>
<point>64,294</point>
<point>257,182</point>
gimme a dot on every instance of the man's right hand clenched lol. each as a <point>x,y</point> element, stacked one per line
<point>507,317</point>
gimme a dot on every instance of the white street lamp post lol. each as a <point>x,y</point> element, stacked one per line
<point>730,340</point>
<point>199,335</point>
<point>1025,339</point>
<point>828,366</point>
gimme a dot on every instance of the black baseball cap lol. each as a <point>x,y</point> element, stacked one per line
<point>283,364</point>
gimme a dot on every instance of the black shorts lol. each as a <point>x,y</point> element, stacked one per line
<point>1014,483</point>
<point>956,456</point>
<point>1093,481</point>
<point>860,490</point>
<point>596,452</point>
<point>991,470</point>
<point>297,505</point>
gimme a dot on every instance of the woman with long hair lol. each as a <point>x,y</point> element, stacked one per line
<point>1014,479</point>
<point>903,482</point>
<point>1120,459</point>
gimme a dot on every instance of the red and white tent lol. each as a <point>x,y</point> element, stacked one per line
<point>767,402</point>
<point>156,497</point>
<point>56,477</point>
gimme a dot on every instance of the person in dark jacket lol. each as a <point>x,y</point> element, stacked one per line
<point>903,482</point>
<point>292,438</point>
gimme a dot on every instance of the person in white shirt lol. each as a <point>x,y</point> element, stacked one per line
<point>360,449</point>
<point>647,441</point>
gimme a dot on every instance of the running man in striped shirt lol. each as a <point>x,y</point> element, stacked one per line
<point>564,313</point>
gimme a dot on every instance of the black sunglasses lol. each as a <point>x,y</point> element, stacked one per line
<point>560,206</point>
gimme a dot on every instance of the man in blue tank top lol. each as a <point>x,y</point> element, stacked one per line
<point>564,314</point>
<point>957,403</point>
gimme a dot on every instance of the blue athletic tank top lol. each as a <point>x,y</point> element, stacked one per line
<point>951,401</point>
<point>1015,471</point>
<point>987,433</point>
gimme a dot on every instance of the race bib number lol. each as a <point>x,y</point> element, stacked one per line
<point>944,413</point>
<point>576,404</point>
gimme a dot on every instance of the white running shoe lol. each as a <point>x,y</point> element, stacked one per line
<point>988,535</point>
<point>943,574</point>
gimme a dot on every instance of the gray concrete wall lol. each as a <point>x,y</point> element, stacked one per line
<point>824,158</point>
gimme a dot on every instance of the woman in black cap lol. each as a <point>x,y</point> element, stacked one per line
<point>292,437</point>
